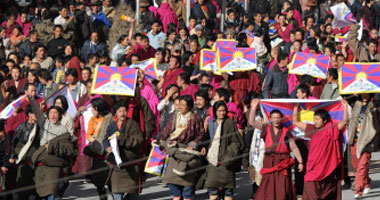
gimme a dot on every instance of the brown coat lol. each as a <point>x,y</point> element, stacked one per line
<point>369,128</point>
<point>231,145</point>
<point>359,50</point>
<point>50,163</point>
<point>125,179</point>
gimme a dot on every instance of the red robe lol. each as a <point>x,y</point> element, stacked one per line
<point>190,90</point>
<point>170,77</point>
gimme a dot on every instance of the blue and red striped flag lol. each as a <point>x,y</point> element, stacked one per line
<point>308,107</point>
<point>11,108</point>
<point>157,162</point>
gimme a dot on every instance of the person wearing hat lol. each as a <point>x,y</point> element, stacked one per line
<point>98,18</point>
<point>199,31</point>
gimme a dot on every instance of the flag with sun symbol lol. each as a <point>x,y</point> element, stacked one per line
<point>359,78</point>
<point>236,59</point>
<point>114,81</point>
<point>224,43</point>
<point>207,61</point>
<point>306,114</point>
<point>149,66</point>
<point>315,65</point>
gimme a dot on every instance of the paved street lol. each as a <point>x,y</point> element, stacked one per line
<point>155,190</point>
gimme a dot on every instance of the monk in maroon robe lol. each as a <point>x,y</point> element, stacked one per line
<point>277,178</point>
<point>324,164</point>
<point>171,75</point>
<point>243,83</point>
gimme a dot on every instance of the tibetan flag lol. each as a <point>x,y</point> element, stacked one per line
<point>359,78</point>
<point>224,44</point>
<point>114,81</point>
<point>208,60</point>
<point>315,65</point>
<point>236,59</point>
<point>308,107</point>
<point>340,39</point>
<point>157,162</point>
<point>149,66</point>
<point>11,108</point>
<point>342,15</point>
<point>72,110</point>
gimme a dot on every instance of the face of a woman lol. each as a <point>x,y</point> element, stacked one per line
<point>16,32</point>
<point>71,79</point>
<point>200,102</point>
<point>94,111</point>
<point>141,76</point>
<point>121,114</point>
<point>183,108</point>
<point>172,36</point>
<point>182,33</point>
<point>58,103</point>
<point>176,105</point>
<point>125,42</point>
<point>31,78</point>
<point>68,50</point>
<point>221,112</point>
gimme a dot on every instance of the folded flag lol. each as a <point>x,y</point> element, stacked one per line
<point>342,15</point>
<point>157,162</point>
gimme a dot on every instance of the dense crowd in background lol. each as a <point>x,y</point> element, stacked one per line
<point>209,125</point>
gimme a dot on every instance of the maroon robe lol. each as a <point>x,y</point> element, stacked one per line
<point>170,77</point>
<point>13,90</point>
<point>244,84</point>
<point>190,90</point>
<point>277,185</point>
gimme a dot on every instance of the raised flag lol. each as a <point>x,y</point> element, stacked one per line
<point>340,38</point>
<point>359,78</point>
<point>342,15</point>
<point>149,66</point>
<point>315,65</point>
<point>207,61</point>
<point>224,44</point>
<point>11,108</point>
<point>157,162</point>
<point>114,81</point>
<point>306,114</point>
<point>72,110</point>
<point>236,59</point>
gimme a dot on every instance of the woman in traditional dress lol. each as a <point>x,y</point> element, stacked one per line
<point>181,138</point>
<point>225,146</point>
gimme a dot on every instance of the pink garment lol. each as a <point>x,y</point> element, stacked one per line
<point>190,90</point>
<point>25,26</point>
<point>271,64</point>
<point>298,17</point>
<point>292,82</point>
<point>148,93</point>
<point>215,83</point>
<point>341,31</point>
<point>167,16</point>
<point>217,8</point>
<point>153,10</point>
<point>10,29</point>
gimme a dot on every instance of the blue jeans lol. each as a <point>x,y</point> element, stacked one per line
<point>52,197</point>
<point>186,192</point>
<point>118,196</point>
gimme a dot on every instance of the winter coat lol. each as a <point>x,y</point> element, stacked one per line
<point>50,161</point>
<point>125,179</point>
<point>198,13</point>
<point>231,145</point>
<point>329,92</point>
<point>368,138</point>
<point>276,82</point>
<point>88,48</point>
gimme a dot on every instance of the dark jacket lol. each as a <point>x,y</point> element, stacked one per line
<point>125,179</point>
<point>276,82</point>
<point>197,12</point>
<point>260,6</point>
<point>27,48</point>
<point>21,138</point>
<point>5,149</point>
<point>56,46</point>
<point>231,145</point>
<point>89,48</point>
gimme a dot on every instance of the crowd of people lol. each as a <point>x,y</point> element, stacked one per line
<point>209,124</point>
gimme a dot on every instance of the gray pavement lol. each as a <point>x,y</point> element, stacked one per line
<point>155,190</point>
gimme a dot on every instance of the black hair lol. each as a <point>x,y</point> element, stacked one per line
<point>331,48</point>
<point>33,72</point>
<point>100,106</point>
<point>205,87</point>
<point>72,72</point>
<point>276,111</point>
<point>204,75</point>
<point>86,68</point>
<point>185,77</point>
<point>118,105</point>
<point>304,89</point>
<point>157,21</point>
<point>216,106</point>
<point>282,56</point>
<point>333,72</point>
<point>373,41</point>
<point>231,10</point>
<point>39,46</point>
<point>45,74</point>
<point>27,86</point>
<point>2,124</point>
<point>162,51</point>
<point>306,79</point>
<point>121,38</point>
<point>16,67</point>
<point>65,105</point>
<point>28,110</point>
<point>59,110</point>
<point>323,114</point>
<point>186,56</point>
<point>177,58</point>
<point>91,56</point>
<point>203,94</point>
<point>137,35</point>
<point>313,47</point>
<point>58,26</point>
<point>223,92</point>
<point>189,101</point>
